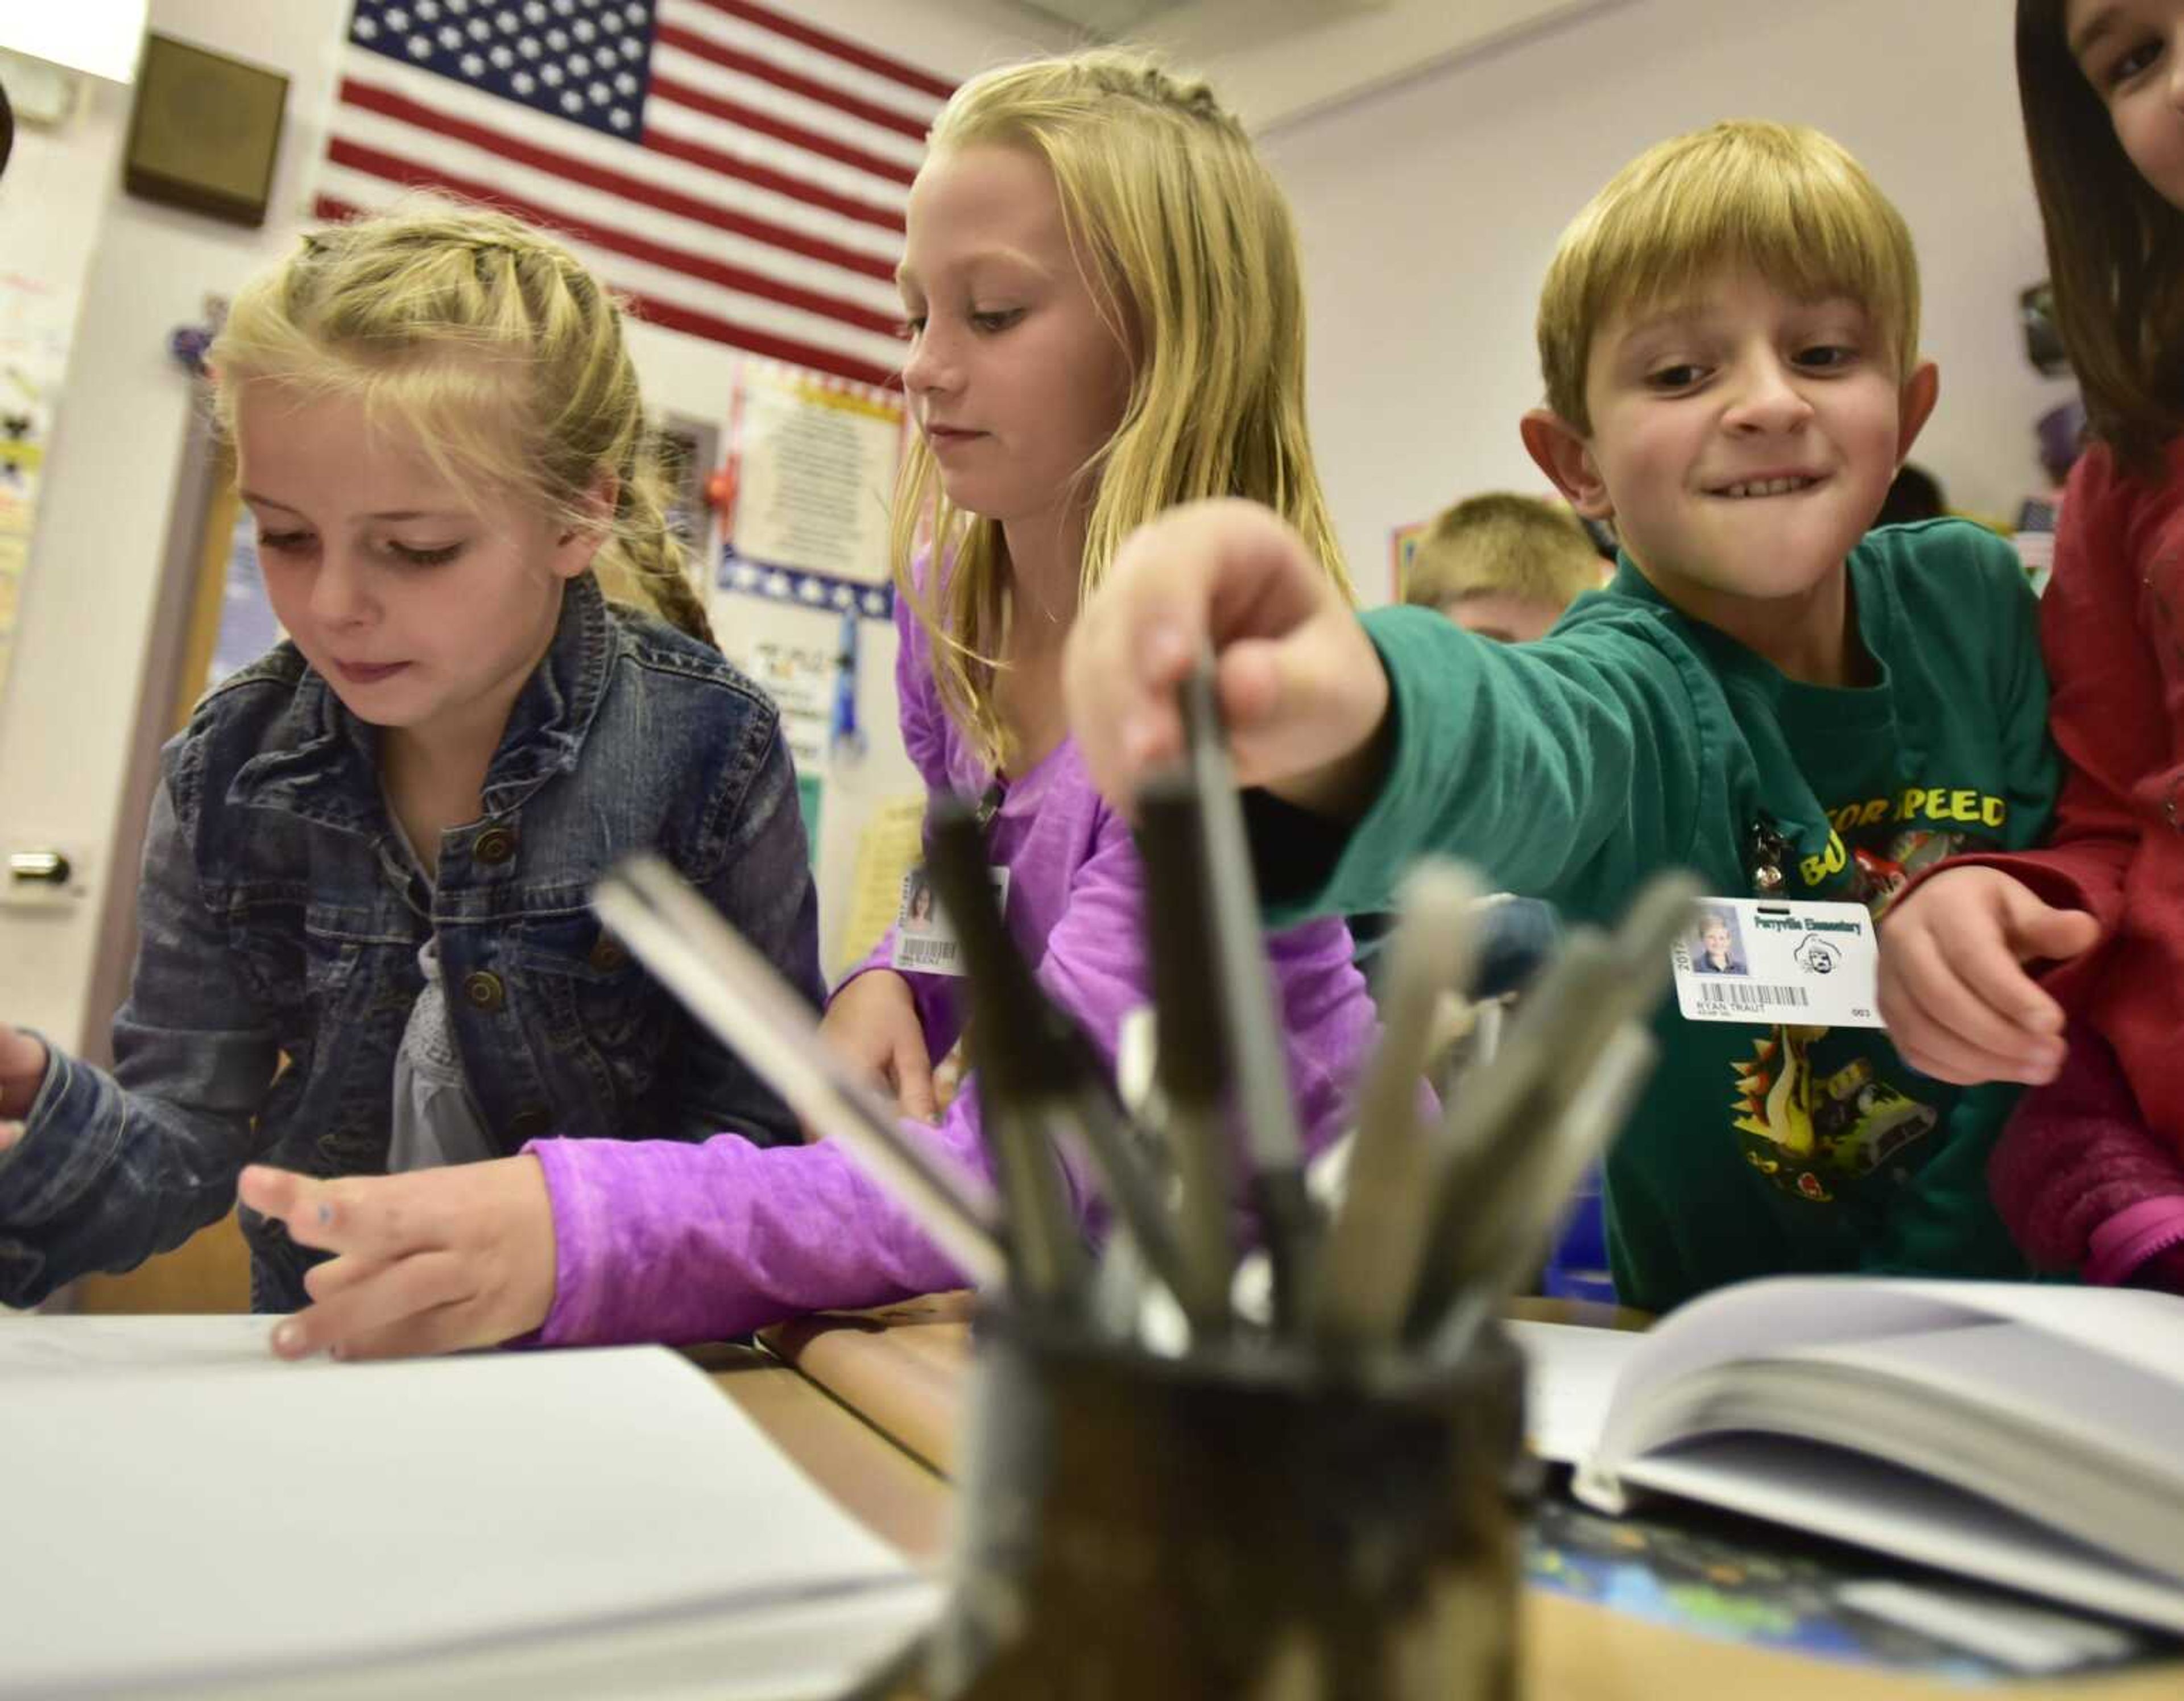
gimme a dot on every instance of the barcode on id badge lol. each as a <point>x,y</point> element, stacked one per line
<point>925,953</point>
<point>1741,996</point>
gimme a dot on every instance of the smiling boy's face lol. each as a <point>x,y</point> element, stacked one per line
<point>1744,440</point>
<point>1741,440</point>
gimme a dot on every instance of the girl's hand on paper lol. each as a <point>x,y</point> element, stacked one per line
<point>433,1261</point>
<point>22,1072</point>
<point>1302,688</point>
<point>1955,998</point>
<point>872,1024</point>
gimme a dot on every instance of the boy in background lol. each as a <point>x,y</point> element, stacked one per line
<point>1503,566</point>
<point>1765,694</point>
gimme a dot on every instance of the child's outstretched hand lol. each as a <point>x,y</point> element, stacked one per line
<point>431,1262</point>
<point>1955,1000</point>
<point>1301,688</point>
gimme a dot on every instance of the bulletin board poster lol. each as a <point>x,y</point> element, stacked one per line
<point>814,461</point>
<point>35,321</point>
<point>797,670</point>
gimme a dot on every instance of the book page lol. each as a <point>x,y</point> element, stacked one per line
<point>1856,1498</point>
<point>2060,1394</point>
<point>1759,1319</point>
<point>1569,1380</point>
<point>2143,1329</point>
<point>211,1514</point>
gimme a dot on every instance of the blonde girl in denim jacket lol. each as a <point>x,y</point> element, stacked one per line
<point>366,944</point>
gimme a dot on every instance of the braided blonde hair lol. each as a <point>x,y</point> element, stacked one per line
<point>495,346</point>
<point>1189,248</point>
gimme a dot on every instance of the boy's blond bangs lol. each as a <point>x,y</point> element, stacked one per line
<point>1190,253</point>
<point>1785,201</point>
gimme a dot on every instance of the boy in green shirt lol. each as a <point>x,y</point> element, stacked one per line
<point>1765,695</point>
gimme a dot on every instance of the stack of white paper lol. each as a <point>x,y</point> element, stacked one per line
<point>183,1509</point>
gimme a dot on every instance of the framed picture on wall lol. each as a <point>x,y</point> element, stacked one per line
<point>204,131</point>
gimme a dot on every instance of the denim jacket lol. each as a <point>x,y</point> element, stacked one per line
<point>280,923</point>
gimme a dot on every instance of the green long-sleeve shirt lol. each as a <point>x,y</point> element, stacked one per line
<point>1634,738</point>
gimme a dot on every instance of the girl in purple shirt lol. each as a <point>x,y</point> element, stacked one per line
<point>1105,319</point>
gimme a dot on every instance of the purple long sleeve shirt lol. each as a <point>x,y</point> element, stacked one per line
<point>661,1241</point>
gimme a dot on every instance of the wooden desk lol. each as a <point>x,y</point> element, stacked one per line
<point>899,1498</point>
<point>903,1368</point>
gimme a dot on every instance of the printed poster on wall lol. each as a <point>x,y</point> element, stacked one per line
<point>814,461</point>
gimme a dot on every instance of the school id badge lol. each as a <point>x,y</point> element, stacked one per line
<point>1755,961</point>
<point>924,942</point>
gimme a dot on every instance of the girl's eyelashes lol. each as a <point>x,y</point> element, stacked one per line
<point>410,555</point>
<point>2125,65</point>
<point>985,320</point>
<point>406,554</point>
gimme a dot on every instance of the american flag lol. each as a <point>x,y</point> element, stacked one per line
<point>736,173</point>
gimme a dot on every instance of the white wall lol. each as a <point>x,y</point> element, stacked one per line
<point>71,701</point>
<point>1281,59</point>
<point>1428,213</point>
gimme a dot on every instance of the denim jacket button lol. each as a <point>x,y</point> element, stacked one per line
<point>528,1123</point>
<point>607,956</point>
<point>484,991</point>
<point>494,846</point>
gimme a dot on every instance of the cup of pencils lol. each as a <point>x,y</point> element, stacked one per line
<point>1269,1439</point>
<point>1245,1524</point>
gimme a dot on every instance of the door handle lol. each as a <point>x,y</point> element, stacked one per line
<point>37,868</point>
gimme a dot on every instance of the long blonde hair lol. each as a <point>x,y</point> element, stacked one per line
<point>495,346</point>
<point>1189,248</point>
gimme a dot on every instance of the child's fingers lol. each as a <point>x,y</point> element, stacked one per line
<point>1250,679</point>
<point>1209,572</point>
<point>10,1132</point>
<point>1940,1056</point>
<point>380,1298</point>
<point>22,1071</point>
<point>275,1193</point>
<point>444,1328</point>
<point>1944,1027</point>
<point>323,1281</point>
<point>1992,1003</point>
<point>376,1218</point>
<point>2039,930</point>
<point>913,1079</point>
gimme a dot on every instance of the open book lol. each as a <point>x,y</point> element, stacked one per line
<point>184,1512</point>
<point>2031,1437</point>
